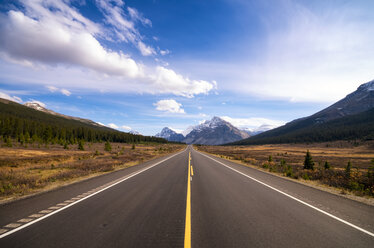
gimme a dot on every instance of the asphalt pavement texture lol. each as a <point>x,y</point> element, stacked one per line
<point>228,209</point>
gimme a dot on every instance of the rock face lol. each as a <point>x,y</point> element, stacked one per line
<point>215,132</point>
<point>170,135</point>
<point>359,101</point>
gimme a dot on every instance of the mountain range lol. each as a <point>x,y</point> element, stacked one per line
<point>348,119</point>
<point>212,132</point>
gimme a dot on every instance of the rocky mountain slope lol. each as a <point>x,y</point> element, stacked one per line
<point>215,132</point>
<point>170,135</point>
<point>349,118</point>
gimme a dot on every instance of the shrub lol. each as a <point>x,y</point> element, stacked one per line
<point>107,146</point>
<point>289,171</point>
<point>133,147</point>
<point>270,158</point>
<point>308,162</point>
<point>81,145</point>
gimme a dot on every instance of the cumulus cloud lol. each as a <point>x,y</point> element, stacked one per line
<point>253,123</point>
<point>127,128</point>
<point>10,98</point>
<point>112,125</point>
<point>167,80</point>
<point>169,105</point>
<point>65,92</point>
<point>54,33</point>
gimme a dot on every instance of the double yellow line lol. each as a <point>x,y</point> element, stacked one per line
<point>187,230</point>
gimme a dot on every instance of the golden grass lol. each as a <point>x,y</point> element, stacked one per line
<point>29,170</point>
<point>288,159</point>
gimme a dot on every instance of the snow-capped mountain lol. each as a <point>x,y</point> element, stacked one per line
<point>170,135</point>
<point>215,132</point>
<point>187,131</point>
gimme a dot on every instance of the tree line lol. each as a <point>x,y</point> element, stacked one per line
<point>28,125</point>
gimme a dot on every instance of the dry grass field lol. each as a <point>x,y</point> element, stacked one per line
<point>288,160</point>
<point>39,167</point>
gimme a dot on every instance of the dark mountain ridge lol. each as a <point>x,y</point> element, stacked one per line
<point>348,119</point>
<point>19,121</point>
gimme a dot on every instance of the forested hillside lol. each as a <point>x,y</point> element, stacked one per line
<point>353,127</point>
<point>29,125</point>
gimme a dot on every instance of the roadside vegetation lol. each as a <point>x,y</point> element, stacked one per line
<point>31,167</point>
<point>342,165</point>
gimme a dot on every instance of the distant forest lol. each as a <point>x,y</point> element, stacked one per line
<point>28,125</point>
<point>353,127</point>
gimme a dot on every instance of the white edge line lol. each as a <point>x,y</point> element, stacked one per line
<point>294,198</point>
<point>86,197</point>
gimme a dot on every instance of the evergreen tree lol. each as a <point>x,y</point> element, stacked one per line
<point>81,145</point>
<point>327,165</point>
<point>308,162</point>
<point>107,146</point>
<point>348,169</point>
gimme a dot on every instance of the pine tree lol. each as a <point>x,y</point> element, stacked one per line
<point>348,169</point>
<point>107,146</point>
<point>81,145</point>
<point>308,162</point>
<point>327,165</point>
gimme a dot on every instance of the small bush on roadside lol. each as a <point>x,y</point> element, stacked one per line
<point>107,146</point>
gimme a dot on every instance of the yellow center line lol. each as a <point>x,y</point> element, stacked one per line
<point>187,230</point>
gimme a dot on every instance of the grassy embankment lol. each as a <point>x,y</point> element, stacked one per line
<point>37,168</point>
<point>349,167</point>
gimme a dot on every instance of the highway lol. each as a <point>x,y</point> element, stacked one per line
<point>188,199</point>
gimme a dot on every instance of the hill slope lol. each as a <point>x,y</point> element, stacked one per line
<point>348,119</point>
<point>25,123</point>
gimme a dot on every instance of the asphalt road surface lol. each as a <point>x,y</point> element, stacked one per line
<point>167,203</point>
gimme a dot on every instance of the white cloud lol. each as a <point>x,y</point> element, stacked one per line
<point>65,92</point>
<point>310,55</point>
<point>123,24</point>
<point>167,80</point>
<point>10,98</point>
<point>252,123</point>
<point>169,105</point>
<point>164,52</point>
<point>127,128</point>
<point>54,33</point>
<point>52,88</point>
<point>112,125</point>
<point>145,50</point>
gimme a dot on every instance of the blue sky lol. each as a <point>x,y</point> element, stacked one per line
<point>143,65</point>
